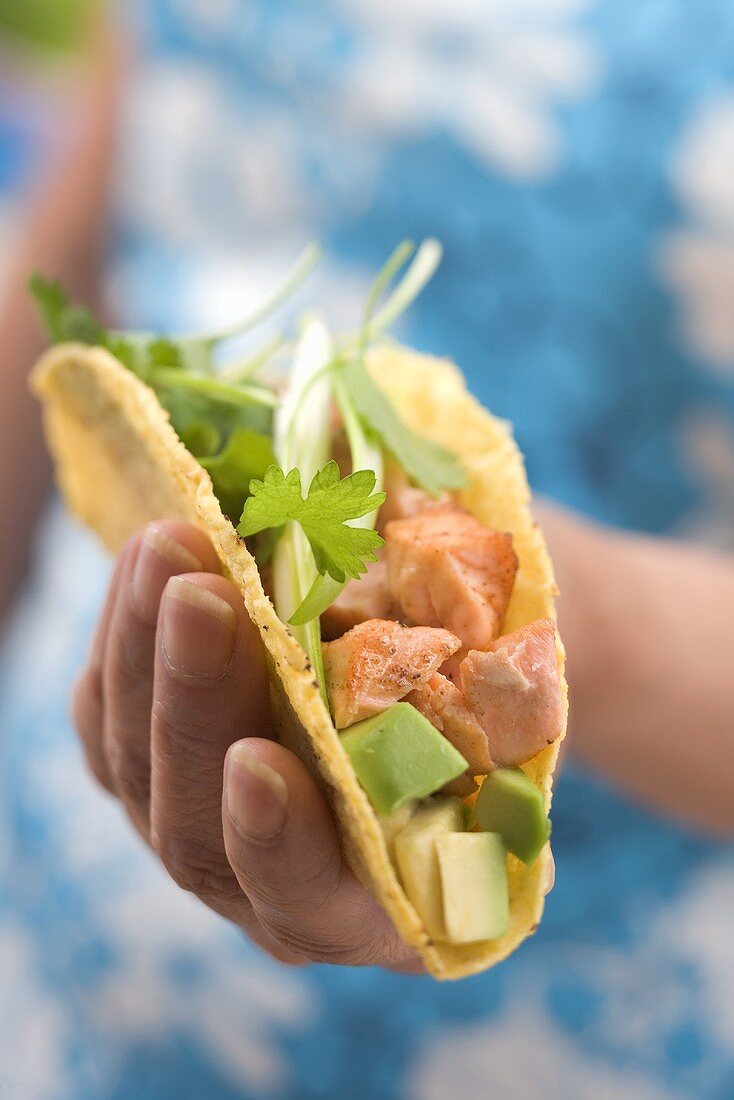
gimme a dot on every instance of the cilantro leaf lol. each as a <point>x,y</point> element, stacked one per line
<point>53,302</point>
<point>64,321</point>
<point>201,438</point>
<point>430,466</point>
<point>163,352</point>
<point>247,456</point>
<point>131,355</point>
<point>190,411</point>
<point>339,550</point>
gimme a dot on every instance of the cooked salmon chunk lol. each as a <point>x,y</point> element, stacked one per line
<point>515,692</point>
<point>378,662</point>
<point>404,500</point>
<point>367,597</point>
<point>445,568</point>
<point>445,707</point>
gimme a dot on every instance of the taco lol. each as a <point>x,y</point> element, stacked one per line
<point>376,520</point>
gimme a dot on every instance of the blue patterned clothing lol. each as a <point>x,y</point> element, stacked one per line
<point>575,157</point>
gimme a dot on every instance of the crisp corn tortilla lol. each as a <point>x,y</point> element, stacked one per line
<point>120,464</point>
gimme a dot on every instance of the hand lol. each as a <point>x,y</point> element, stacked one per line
<point>175,677</point>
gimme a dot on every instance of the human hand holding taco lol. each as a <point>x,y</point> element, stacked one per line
<point>267,856</point>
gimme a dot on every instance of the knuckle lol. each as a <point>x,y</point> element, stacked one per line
<point>133,786</point>
<point>86,702</point>
<point>194,868</point>
<point>286,896</point>
<point>99,770</point>
<point>317,886</point>
<point>179,723</point>
<point>306,924</point>
<point>88,717</point>
<point>133,657</point>
<point>351,947</point>
<point>131,770</point>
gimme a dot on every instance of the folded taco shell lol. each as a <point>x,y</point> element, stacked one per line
<point>120,464</point>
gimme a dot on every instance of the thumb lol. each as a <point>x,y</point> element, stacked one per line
<point>283,846</point>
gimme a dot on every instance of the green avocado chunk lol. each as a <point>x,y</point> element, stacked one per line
<point>393,824</point>
<point>510,804</point>
<point>476,903</point>
<point>417,859</point>
<point>399,755</point>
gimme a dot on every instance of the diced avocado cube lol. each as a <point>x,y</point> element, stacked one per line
<point>417,860</point>
<point>473,869</point>
<point>399,755</point>
<point>510,804</point>
<point>395,823</point>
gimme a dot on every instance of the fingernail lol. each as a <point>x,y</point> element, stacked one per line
<point>159,556</point>
<point>551,874</point>
<point>255,795</point>
<point>197,630</point>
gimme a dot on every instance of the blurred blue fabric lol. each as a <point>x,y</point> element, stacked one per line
<point>577,160</point>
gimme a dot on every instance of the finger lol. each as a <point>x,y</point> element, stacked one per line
<point>255,932</point>
<point>164,549</point>
<point>283,846</point>
<point>87,704</point>
<point>210,689</point>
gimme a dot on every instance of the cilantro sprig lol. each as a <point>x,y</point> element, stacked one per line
<point>226,421</point>
<point>339,549</point>
<point>302,441</point>
<point>64,321</point>
<point>148,353</point>
<point>223,418</point>
<point>247,456</point>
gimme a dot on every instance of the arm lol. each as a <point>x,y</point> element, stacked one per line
<point>647,623</point>
<point>62,235</point>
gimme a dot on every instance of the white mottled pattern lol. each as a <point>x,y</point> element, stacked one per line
<point>707,447</point>
<point>697,258</point>
<point>517,61</point>
<point>521,1056</point>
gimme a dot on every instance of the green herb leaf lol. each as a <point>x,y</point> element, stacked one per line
<point>228,393</point>
<point>338,549</point>
<point>163,352</point>
<point>366,454</point>
<point>430,466</point>
<point>131,355</point>
<point>64,321</point>
<point>201,438</point>
<point>247,455</point>
<point>204,424</point>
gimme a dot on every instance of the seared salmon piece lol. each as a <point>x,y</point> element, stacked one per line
<point>367,597</point>
<point>404,500</point>
<point>445,707</point>
<point>462,786</point>
<point>515,692</point>
<point>451,669</point>
<point>445,568</point>
<point>378,663</point>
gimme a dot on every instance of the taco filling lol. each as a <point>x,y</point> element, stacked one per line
<point>397,593</point>
<point>416,649</point>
